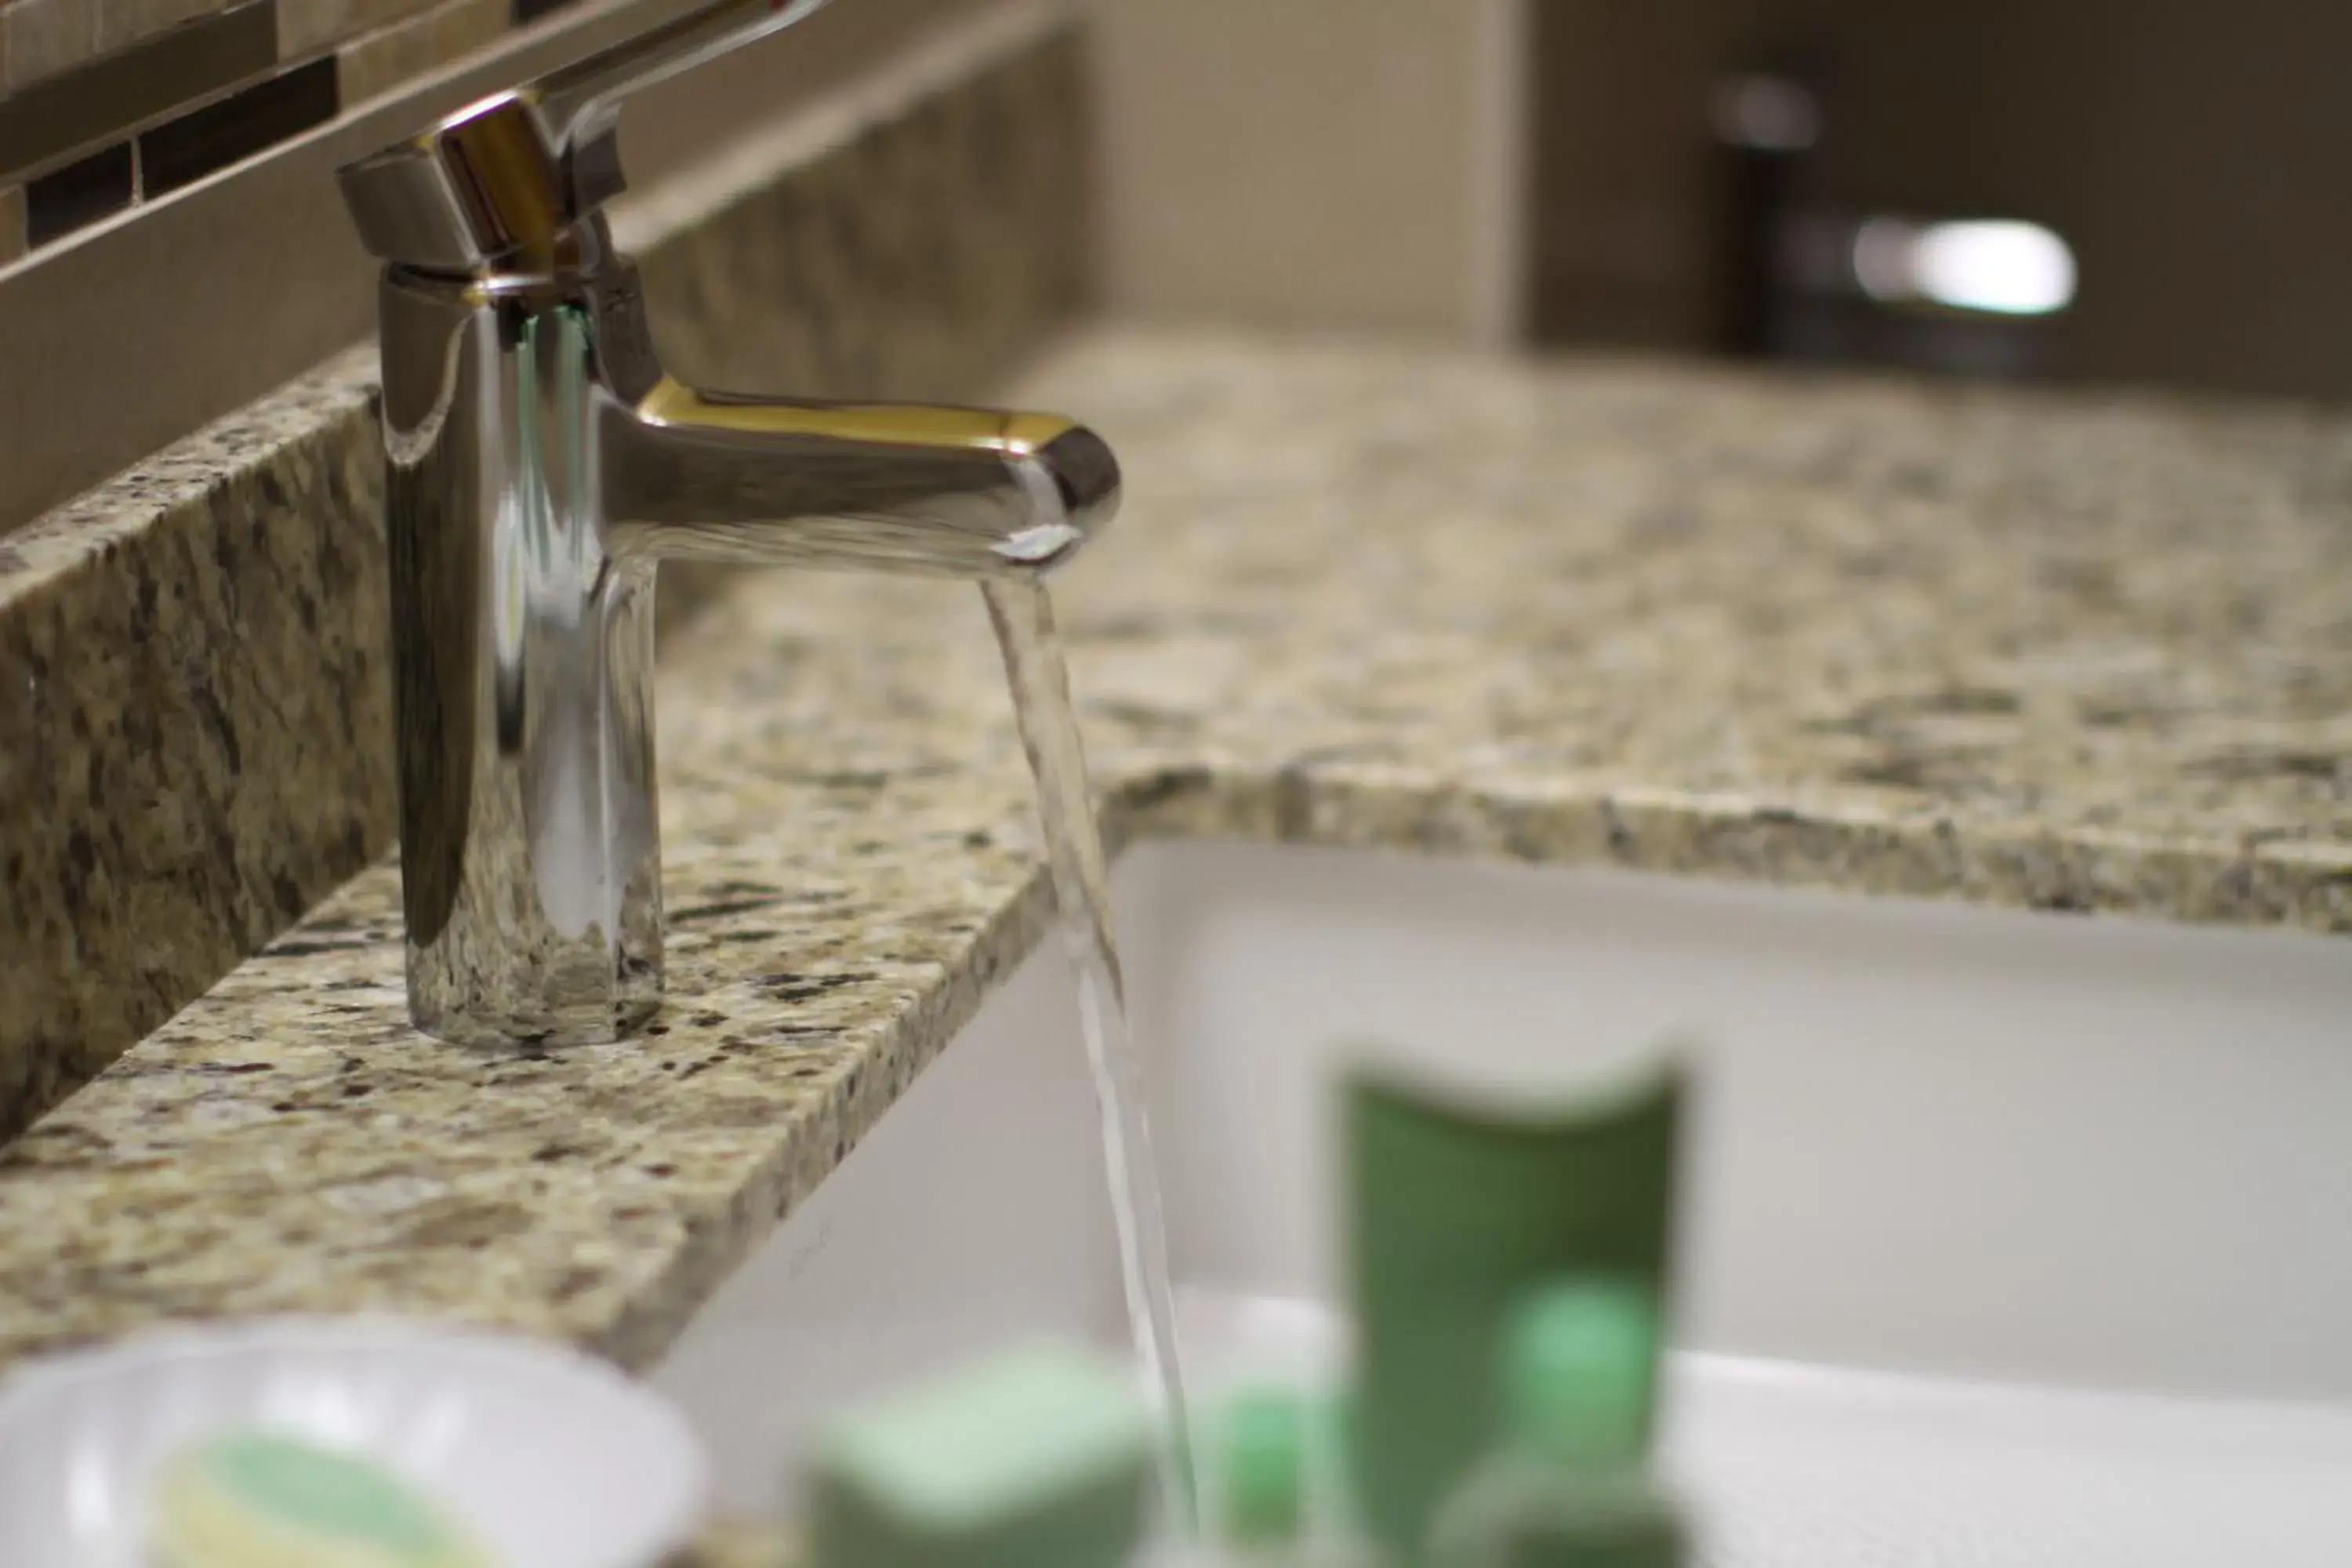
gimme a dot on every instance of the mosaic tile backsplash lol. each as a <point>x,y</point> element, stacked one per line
<point>106,103</point>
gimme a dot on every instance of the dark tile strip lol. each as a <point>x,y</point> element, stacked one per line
<point>187,148</point>
<point>12,223</point>
<point>57,204</point>
<point>116,94</point>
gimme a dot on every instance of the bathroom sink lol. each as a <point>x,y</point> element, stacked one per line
<point>2010,1239</point>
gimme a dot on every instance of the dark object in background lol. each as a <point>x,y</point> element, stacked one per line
<point>1766,124</point>
<point>1802,281</point>
<point>1962,297</point>
<point>2194,157</point>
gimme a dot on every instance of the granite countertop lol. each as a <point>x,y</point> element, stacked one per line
<point>2067,653</point>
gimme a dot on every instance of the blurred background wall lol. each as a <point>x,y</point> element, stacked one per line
<point>1550,173</point>
<point>1551,169</point>
<point>2195,155</point>
<point>1316,161</point>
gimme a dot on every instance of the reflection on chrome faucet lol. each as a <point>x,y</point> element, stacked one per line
<point>541,465</point>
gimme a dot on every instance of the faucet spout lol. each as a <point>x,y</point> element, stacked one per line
<point>932,490</point>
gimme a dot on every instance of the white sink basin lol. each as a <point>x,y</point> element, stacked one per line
<point>2011,1240</point>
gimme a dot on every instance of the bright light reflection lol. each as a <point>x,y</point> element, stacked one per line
<point>2000,265</point>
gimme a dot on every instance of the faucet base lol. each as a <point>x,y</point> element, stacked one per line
<point>622,1010</point>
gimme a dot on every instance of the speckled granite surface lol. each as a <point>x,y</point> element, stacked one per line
<point>194,719</point>
<point>2067,654</point>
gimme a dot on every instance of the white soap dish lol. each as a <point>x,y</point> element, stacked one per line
<point>550,1458</point>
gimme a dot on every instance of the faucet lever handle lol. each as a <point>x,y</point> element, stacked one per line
<point>506,174</point>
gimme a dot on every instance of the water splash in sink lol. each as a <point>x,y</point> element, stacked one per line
<point>1023,618</point>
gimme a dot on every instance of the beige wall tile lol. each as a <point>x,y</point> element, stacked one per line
<point>306,26</point>
<point>383,59</point>
<point>45,36</point>
<point>1291,162</point>
<point>121,22</point>
<point>12,224</point>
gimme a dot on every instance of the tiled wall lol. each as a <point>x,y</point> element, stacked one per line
<point>105,103</point>
<point>1365,147</point>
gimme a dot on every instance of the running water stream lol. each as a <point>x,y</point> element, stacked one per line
<point>1024,618</point>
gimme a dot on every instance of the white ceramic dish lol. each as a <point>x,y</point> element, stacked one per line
<point>553,1459</point>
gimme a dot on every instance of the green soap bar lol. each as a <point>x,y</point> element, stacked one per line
<point>261,1500</point>
<point>1262,1467</point>
<point>1036,1458</point>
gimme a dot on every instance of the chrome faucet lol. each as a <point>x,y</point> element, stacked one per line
<point>541,465</point>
